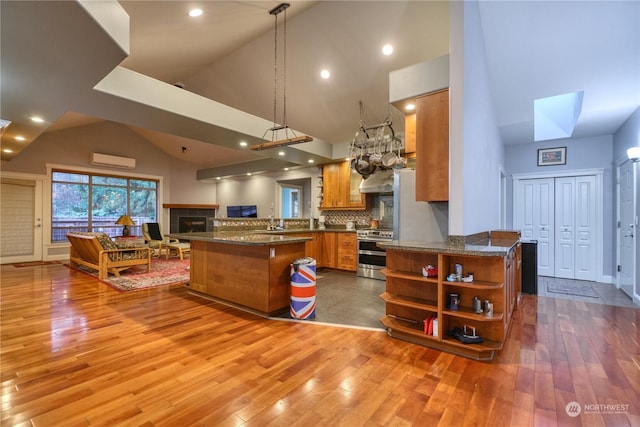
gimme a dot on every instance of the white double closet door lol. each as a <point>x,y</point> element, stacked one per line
<point>561,214</point>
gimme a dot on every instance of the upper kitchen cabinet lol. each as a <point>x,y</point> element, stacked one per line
<point>432,147</point>
<point>410,133</point>
<point>341,188</point>
<point>427,85</point>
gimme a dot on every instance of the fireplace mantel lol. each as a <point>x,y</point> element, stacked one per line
<point>188,206</point>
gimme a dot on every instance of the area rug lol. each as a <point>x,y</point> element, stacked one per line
<point>578,289</point>
<point>163,272</point>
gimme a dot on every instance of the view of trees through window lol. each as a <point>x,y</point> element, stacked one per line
<point>90,202</point>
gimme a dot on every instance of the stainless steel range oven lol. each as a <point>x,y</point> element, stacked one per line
<point>371,258</point>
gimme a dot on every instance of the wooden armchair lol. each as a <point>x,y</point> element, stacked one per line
<point>98,252</point>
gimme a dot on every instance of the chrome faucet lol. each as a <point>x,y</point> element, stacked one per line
<point>271,225</point>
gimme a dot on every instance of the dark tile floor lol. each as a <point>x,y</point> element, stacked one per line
<point>607,293</point>
<point>344,299</point>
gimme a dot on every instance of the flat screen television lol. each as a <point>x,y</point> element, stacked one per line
<point>248,211</point>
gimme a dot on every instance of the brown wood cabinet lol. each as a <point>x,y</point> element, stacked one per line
<point>329,249</point>
<point>253,276</point>
<point>410,133</point>
<point>340,250</point>
<point>314,247</point>
<point>411,298</point>
<point>347,249</point>
<point>432,147</point>
<point>341,188</point>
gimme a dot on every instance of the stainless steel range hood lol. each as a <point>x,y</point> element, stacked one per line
<point>380,182</point>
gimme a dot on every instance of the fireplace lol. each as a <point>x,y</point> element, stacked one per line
<point>192,224</point>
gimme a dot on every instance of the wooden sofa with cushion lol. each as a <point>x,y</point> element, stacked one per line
<point>97,251</point>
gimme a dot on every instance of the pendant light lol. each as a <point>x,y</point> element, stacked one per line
<point>290,137</point>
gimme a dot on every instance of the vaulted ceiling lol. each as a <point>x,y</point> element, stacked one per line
<point>56,62</point>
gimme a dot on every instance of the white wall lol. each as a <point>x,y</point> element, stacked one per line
<point>582,153</point>
<point>73,146</point>
<point>476,151</point>
<point>626,137</point>
<point>262,191</point>
<point>483,149</point>
<point>456,117</point>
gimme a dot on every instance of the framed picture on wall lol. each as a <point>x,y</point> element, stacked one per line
<point>552,156</point>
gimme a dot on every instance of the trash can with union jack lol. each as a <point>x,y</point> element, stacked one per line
<point>303,288</point>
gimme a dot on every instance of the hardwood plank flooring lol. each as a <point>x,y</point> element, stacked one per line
<point>74,352</point>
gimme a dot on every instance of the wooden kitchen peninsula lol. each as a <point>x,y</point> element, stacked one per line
<point>251,270</point>
<point>411,299</point>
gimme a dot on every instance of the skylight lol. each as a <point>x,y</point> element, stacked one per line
<point>556,116</point>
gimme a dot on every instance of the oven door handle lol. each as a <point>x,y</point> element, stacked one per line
<point>379,253</point>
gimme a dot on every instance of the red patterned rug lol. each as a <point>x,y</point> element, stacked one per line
<point>163,272</point>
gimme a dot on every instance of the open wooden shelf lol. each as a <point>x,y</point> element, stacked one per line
<point>409,295</point>
<point>486,345</point>
<point>467,313</point>
<point>410,276</point>
<point>410,302</point>
<point>476,284</point>
<point>407,328</point>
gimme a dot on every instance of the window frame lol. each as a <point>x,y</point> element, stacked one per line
<point>112,230</point>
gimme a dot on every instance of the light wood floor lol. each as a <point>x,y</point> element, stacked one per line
<point>75,353</point>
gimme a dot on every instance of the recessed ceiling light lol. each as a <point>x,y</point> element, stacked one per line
<point>310,160</point>
<point>218,178</point>
<point>37,119</point>
<point>195,12</point>
<point>280,153</point>
<point>286,169</point>
<point>21,138</point>
<point>387,49</point>
<point>248,173</point>
<point>325,74</point>
<point>410,107</point>
<point>7,150</point>
<point>243,144</point>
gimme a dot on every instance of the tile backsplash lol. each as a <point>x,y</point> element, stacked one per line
<point>340,218</point>
<point>333,219</point>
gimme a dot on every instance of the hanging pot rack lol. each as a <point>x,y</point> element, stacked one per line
<point>375,146</point>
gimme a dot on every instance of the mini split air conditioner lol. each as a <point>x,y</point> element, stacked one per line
<point>113,161</point>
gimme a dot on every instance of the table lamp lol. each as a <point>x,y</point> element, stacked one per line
<point>126,221</point>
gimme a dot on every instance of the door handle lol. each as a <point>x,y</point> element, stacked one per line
<point>628,235</point>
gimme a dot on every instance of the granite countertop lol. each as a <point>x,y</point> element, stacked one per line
<point>495,248</point>
<point>306,230</point>
<point>240,237</point>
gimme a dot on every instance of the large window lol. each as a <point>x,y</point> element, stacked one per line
<point>91,202</point>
